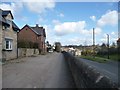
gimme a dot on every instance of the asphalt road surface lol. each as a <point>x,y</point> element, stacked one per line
<point>109,69</point>
<point>43,71</point>
<point>0,75</point>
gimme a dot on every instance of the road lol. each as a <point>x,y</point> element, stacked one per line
<point>43,71</point>
<point>109,69</point>
<point>0,75</point>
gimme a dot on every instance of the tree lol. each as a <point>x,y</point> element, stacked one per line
<point>58,46</point>
<point>48,46</point>
<point>103,45</point>
<point>47,43</point>
<point>113,45</point>
<point>103,50</point>
<point>113,49</point>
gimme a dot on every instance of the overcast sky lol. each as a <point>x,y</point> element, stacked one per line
<point>68,22</point>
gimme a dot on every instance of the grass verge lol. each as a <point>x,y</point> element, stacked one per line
<point>97,59</point>
<point>112,57</point>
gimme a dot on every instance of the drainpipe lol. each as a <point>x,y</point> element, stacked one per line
<point>17,42</point>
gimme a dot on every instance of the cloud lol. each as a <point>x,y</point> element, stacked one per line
<point>74,40</point>
<point>40,20</point>
<point>112,33</point>
<point>61,15</point>
<point>7,6</point>
<point>112,37</point>
<point>55,22</point>
<point>76,30</point>
<point>24,18</point>
<point>110,18</point>
<point>14,7</point>
<point>50,34</point>
<point>79,40</point>
<point>37,6</point>
<point>85,32</point>
<point>93,18</point>
<point>69,27</point>
<point>98,30</point>
<point>65,28</point>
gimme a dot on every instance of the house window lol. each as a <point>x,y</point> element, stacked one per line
<point>9,21</point>
<point>8,44</point>
<point>3,27</point>
<point>6,27</point>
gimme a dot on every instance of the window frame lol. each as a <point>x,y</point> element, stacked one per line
<point>9,44</point>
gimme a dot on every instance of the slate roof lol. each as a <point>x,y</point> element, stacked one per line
<point>6,12</point>
<point>38,30</point>
<point>3,20</point>
<point>15,27</point>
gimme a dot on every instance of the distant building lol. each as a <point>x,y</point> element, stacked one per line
<point>8,36</point>
<point>33,34</point>
<point>78,52</point>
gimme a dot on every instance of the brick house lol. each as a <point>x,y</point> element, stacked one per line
<point>33,34</point>
<point>8,36</point>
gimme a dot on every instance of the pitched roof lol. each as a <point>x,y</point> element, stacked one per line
<point>15,27</point>
<point>38,30</point>
<point>29,28</point>
<point>3,20</point>
<point>6,12</point>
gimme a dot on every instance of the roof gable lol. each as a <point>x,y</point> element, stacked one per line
<point>2,19</point>
<point>30,29</point>
<point>6,12</point>
<point>40,31</point>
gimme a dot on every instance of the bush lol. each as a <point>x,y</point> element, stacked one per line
<point>23,44</point>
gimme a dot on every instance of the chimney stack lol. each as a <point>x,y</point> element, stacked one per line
<point>37,25</point>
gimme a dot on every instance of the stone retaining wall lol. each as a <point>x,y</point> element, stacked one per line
<point>22,52</point>
<point>85,76</point>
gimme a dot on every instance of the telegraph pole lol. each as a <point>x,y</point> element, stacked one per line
<point>108,44</point>
<point>93,42</point>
